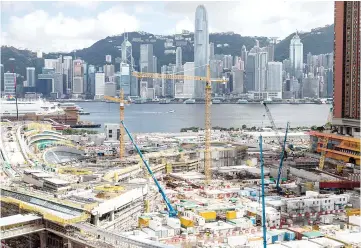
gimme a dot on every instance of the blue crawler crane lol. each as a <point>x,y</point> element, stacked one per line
<point>171,211</point>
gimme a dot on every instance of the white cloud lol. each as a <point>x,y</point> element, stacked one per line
<point>40,31</point>
<point>90,5</point>
<point>256,18</point>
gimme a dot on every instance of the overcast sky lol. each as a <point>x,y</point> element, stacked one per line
<point>65,26</point>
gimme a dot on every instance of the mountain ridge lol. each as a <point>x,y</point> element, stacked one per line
<point>317,41</point>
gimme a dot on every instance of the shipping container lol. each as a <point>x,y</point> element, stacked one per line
<point>208,215</point>
<point>230,215</point>
<point>186,222</point>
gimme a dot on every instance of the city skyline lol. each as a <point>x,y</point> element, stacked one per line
<point>62,28</point>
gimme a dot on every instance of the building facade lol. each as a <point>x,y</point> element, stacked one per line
<point>146,61</point>
<point>30,76</point>
<point>201,50</point>
<point>296,56</point>
<point>347,67</point>
<point>9,83</point>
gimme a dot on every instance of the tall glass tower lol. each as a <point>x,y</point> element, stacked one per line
<point>296,56</point>
<point>201,43</point>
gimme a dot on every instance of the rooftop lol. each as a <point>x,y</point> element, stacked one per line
<point>17,219</point>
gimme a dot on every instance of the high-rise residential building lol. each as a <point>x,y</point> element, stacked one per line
<point>9,83</point>
<point>30,76</point>
<point>99,85</point>
<point>329,82</point>
<point>146,61</point>
<point>78,74</point>
<point>274,80</point>
<point>201,50</point>
<point>311,86</point>
<point>211,51</point>
<point>108,59</point>
<point>271,51</point>
<point>178,57</point>
<point>296,56</point>
<point>347,67</point>
<point>127,51</point>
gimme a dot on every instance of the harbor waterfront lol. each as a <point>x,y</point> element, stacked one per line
<point>172,117</point>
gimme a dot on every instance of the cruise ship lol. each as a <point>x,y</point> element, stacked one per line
<point>26,106</point>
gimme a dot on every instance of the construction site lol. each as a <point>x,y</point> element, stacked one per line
<point>269,187</point>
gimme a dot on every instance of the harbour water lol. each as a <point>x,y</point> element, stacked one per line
<point>173,117</point>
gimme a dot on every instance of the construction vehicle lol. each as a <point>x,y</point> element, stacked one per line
<point>325,141</point>
<point>171,211</point>
<point>121,106</point>
<point>208,102</point>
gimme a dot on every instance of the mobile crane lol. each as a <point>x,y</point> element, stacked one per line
<point>171,211</point>
<point>278,188</point>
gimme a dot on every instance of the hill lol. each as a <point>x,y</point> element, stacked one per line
<point>317,41</point>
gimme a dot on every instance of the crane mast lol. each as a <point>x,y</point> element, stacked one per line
<point>264,228</point>
<point>281,160</point>
<point>171,211</point>
<point>208,96</point>
<point>121,129</point>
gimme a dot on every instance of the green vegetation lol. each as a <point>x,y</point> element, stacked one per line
<point>78,131</point>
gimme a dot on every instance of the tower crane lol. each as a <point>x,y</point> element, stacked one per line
<point>121,106</point>
<point>171,211</point>
<point>325,141</point>
<point>208,96</point>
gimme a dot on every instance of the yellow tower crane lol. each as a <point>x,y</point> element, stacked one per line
<point>325,141</point>
<point>121,106</point>
<point>208,96</point>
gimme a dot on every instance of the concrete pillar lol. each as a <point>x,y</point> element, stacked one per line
<point>67,243</point>
<point>96,220</point>
<point>43,239</point>
<point>111,215</point>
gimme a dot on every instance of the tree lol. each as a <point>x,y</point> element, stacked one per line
<point>244,126</point>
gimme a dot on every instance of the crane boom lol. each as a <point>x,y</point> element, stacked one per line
<point>264,228</point>
<point>171,211</point>
<point>274,127</point>
<point>281,160</point>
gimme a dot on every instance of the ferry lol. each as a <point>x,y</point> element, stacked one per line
<point>27,106</point>
<point>242,101</point>
<point>216,101</point>
<point>164,101</point>
<point>171,111</point>
<point>190,101</point>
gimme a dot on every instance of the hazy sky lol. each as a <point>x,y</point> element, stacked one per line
<point>64,26</point>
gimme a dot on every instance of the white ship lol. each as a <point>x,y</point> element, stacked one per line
<point>27,106</point>
<point>190,101</point>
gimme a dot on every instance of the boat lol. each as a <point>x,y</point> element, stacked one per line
<point>190,101</point>
<point>164,101</point>
<point>28,106</point>
<point>139,101</point>
<point>171,111</point>
<point>82,112</point>
<point>242,101</point>
<point>85,124</point>
<point>216,101</point>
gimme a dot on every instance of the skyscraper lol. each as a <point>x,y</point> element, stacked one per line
<point>296,56</point>
<point>155,64</point>
<point>68,71</point>
<point>201,43</point>
<point>274,80</point>
<point>178,57</point>
<point>78,73</point>
<point>109,73</point>
<point>244,54</point>
<point>146,61</point>
<point>99,85</point>
<point>347,67</point>
<point>30,76</point>
<point>250,72</point>
<point>108,58</point>
<point>127,51</point>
